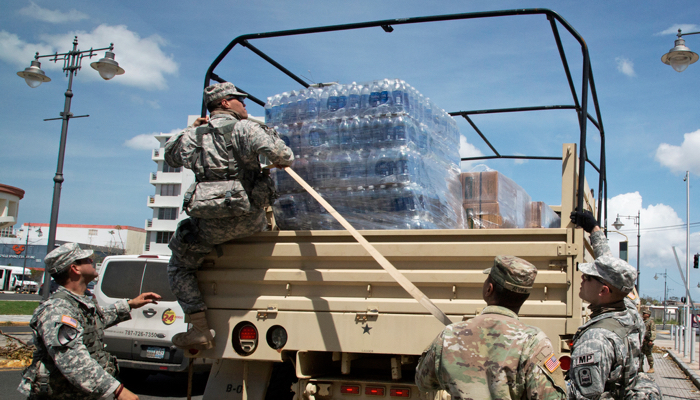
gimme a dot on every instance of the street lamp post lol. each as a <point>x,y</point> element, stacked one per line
<point>34,77</point>
<point>26,250</point>
<point>618,224</point>
<point>680,56</point>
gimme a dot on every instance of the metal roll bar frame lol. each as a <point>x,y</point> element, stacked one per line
<point>580,106</point>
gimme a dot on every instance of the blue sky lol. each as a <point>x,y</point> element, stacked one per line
<point>650,112</point>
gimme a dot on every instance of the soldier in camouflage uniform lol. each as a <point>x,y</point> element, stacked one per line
<point>494,355</point>
<point>211,162</point>
<point>648,343</point>
<point>606,349</point>
<point>70,361</point>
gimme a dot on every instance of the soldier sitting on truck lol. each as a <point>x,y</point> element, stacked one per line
<point>227,200</point>
<point>494,355</point>
<point>606,350</point>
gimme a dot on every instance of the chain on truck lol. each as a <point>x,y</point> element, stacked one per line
<point>313,310</point>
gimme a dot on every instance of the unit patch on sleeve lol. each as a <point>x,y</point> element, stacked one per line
<point>66,319</point>
<point>585,359</point>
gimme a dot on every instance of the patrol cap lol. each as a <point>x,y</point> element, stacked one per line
<point>219,91</point>
<point>612,270</point>
<point>513,273</point>
<point>646,311</point>
<point>60,258</point>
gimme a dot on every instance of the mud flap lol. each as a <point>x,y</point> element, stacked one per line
<point>238,380</point>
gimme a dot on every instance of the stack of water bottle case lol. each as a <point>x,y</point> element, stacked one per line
<point>379,152</point>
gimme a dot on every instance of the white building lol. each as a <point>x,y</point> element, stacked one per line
<point>9,205</point>
<point>170,186</point>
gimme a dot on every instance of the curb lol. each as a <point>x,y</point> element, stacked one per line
<point>691,374</point>
<point>14,323</point>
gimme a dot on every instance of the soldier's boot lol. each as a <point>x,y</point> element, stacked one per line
<point>651,368</point>
<point>198,337</point>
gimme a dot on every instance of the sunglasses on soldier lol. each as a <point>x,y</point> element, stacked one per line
<point>589,277</point>
<point>239,98</point>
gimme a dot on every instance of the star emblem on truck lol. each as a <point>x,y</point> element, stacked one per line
<point>366,328</point>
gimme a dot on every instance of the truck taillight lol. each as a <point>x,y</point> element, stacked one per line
<point>400,392</point>
<point>374,391</point>
<point>244,338</point>
<point>565,362</point>
<point>350,389</point>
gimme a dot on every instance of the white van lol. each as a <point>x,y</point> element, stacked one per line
<point>12,278</point>
<point>144,342</point>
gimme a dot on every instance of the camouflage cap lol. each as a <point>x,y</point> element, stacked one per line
<point>612,270</point>
<point>220,91</point>
<point>645,310</point>
<point>60,258</point>
<point>513,273</point>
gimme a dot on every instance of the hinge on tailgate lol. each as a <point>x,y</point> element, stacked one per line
<point>567,249</point>
<point>370,315</point>
<point>270,312</point>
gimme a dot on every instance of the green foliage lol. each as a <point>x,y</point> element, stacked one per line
<point>18,307</point>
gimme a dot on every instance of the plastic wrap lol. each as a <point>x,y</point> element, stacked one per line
<point>542,216</point>
<point>492,200</point>
<point>380,153</point>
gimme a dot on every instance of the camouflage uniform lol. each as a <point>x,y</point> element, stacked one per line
<point>650,335</point>
<point>197,237</point>
<point>494,355</point>
<point>70,361</point>
<point>605,354</point>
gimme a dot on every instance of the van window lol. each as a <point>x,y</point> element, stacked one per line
<point>156,280</point>
<point>122,279</point>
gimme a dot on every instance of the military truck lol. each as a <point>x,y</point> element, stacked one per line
<point>317,302</point>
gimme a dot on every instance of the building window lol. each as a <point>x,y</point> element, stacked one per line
<point>169,190</point>
<point>167,213</point>
<point>163,237</point>
<point>168,168</point>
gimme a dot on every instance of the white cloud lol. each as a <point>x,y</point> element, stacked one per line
<point>681,158</point>
<point>146,141</point>
<point>661,228</point>
<point>53,16</point>
<point>625,66</point>
<point>518,161</point>
<point>467,150</point>
<point>673,30</point>
<point>144,61</point>
<point>140,101</point>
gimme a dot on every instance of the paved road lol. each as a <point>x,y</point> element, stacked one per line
<point>156,387</point>
<point>15,296</point>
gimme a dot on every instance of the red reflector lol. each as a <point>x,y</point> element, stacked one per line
<point>248,332</point>
<point>570,343</point>
<point>565,362</point>
<point>349,389</point>
<point>374,391</point>
<point>163,368</point>
<point>400,392</point>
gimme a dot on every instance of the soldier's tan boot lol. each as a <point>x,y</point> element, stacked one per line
<point>651,369</point>
<point>198,337</point>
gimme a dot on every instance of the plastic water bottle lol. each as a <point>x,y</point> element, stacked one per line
<point>323,103</point>
<point>343,173</point>
<point>314,139</point>
<point>397,96</point>
<point>385,93</point>
<point>400,130</point>
<point>345,138</point>
<point>404,164</point>
<point>365,135</point>
<point>312,99</point>
<point>321,169</point>
<point>290,111</point>
<point>383,168</point>
<point>364,99</point>
<point>284,100</point>
<point>333,99</point>
<point>301,106</point>
<point>295,139</point>
<point>333,133</point>
<point>291,209</point>
<point>374,94</point>
<point>353,100</point>
<point>354,132</point>
<point>377,132</point>
<point>342,97</point>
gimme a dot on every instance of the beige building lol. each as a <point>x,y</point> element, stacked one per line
<point>9,205</point>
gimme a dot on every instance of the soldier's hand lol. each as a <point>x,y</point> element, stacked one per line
<point>143,299</point>
<point>584,219</point>
<point>127,395</point>
<point>200,121</point>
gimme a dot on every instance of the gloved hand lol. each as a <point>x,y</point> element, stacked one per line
<point>584,219</point>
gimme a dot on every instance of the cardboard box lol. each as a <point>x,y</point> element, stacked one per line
<point>542,216</point>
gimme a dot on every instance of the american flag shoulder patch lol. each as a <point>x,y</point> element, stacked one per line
<point>552,363</point>
<point>66,319</point>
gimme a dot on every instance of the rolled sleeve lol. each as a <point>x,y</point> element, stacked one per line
<point>429,365</point>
